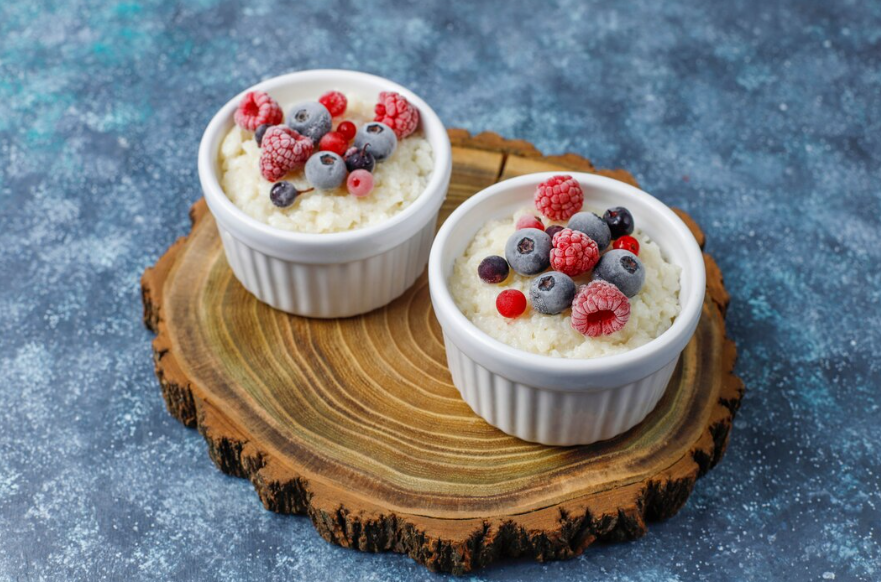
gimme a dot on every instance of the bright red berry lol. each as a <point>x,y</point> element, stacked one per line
<point>347,129</point>
<point>335,102</point>
<point>283,150</point>
<point>511,303</point>
<point>529,221</point>
<point>359,183</point>
<point>628,243</point>
<point>396,112</point>
<point>333,141</point>
<point>257,108</point>
<point>574,253</point>
<point>600,308</point>
<point>559,198</point>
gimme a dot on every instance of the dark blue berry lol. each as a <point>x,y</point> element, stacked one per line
<point>360,159</point>
<point>381,138</point>
<point>529,251</point>
<point>552,292</point>
<point>620,221</point>
<point>283,194</point>
<point>553,229</point>
<point>593,226</point>
<point>326,170</point>
<point>258,135</point>
<point>493,269</point>
<point>622,269</point>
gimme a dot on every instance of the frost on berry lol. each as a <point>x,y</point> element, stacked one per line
<point>396,112</point>
<point>574,253</point>
<point>559,198</point>
<point>599,309</point>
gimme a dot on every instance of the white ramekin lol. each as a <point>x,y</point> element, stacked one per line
<point>561,401</point>
<point>326,275</point>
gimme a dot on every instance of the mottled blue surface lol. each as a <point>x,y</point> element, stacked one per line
<point>762,119</point>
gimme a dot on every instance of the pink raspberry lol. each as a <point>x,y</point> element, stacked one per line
<point>573,253</point>
<point>559,198</point>
<point>396,112</point>
<point>283,150</point>
<point>257,108</point>
<point>599,308</point>
<point>335,102</point>
<point>528,221</point>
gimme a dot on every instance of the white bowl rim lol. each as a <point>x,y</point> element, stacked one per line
<point>559,373</point>
<point>347,239</point>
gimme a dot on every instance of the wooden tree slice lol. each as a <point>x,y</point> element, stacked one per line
<point>355,422</point>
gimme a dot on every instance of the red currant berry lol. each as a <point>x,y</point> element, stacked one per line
<point>628,243</point>
<point>333,142</point>
<point>347,129</point>
<point>511,303</point>
<point>335,102</point>
<point>529,221</point>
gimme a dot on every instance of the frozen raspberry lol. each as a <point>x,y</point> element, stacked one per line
<point>529,221</point>
<point>599,309</point>
<point>559,197</point>
<point>511,303</point>
<point>257,108</point>
<point>396,112</point>
<point>335,102</point>
<point>627,243</point>
<point>284,150</point>
<point>573,253</point>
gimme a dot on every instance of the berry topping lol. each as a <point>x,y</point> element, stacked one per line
<point>528,251</point>
<point>396,112</point>
<point>347,129</point>
<point>311,119</point>
<point>360,159</point>
<point>593,226</point>
<point>335,102</point>
<point>283,194</point>
<point>620,221</point>
<point>493,269</point>
<point>552,292</point>
<point>627,243</point>
<point>326,170</point>
<point>284,150</point>
<point>599,309</point>
<point>553,229</point>
<point>379,137</point>
<point>257,108</point>
<point>529,221</point>
<point>558,198</point>
<point>622,269</point>
<point>574,253</point>
<point>333,141</point>
<point>360,183</point>
<point>258,135</point>
<point>511,303</point>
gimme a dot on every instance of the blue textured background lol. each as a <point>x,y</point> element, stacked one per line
<point>762,119</point>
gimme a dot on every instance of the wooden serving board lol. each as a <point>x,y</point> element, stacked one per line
<point>356,424</point>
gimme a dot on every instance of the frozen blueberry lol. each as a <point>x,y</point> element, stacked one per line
<point>493,269</point>
<point>379,136</point>
<point>529,251</point>
<point>552,292</point>
<point>622,269</point>
<point>326,170</point>
<point>620,221</point>
<point>593,226</point>
<point>311,119</point>
<point>360,159</point>
<point>258,135</point>
<point>283,194</point>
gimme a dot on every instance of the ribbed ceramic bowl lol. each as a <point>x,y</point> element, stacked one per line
<point>562,401</point>
<point>326,275</point>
